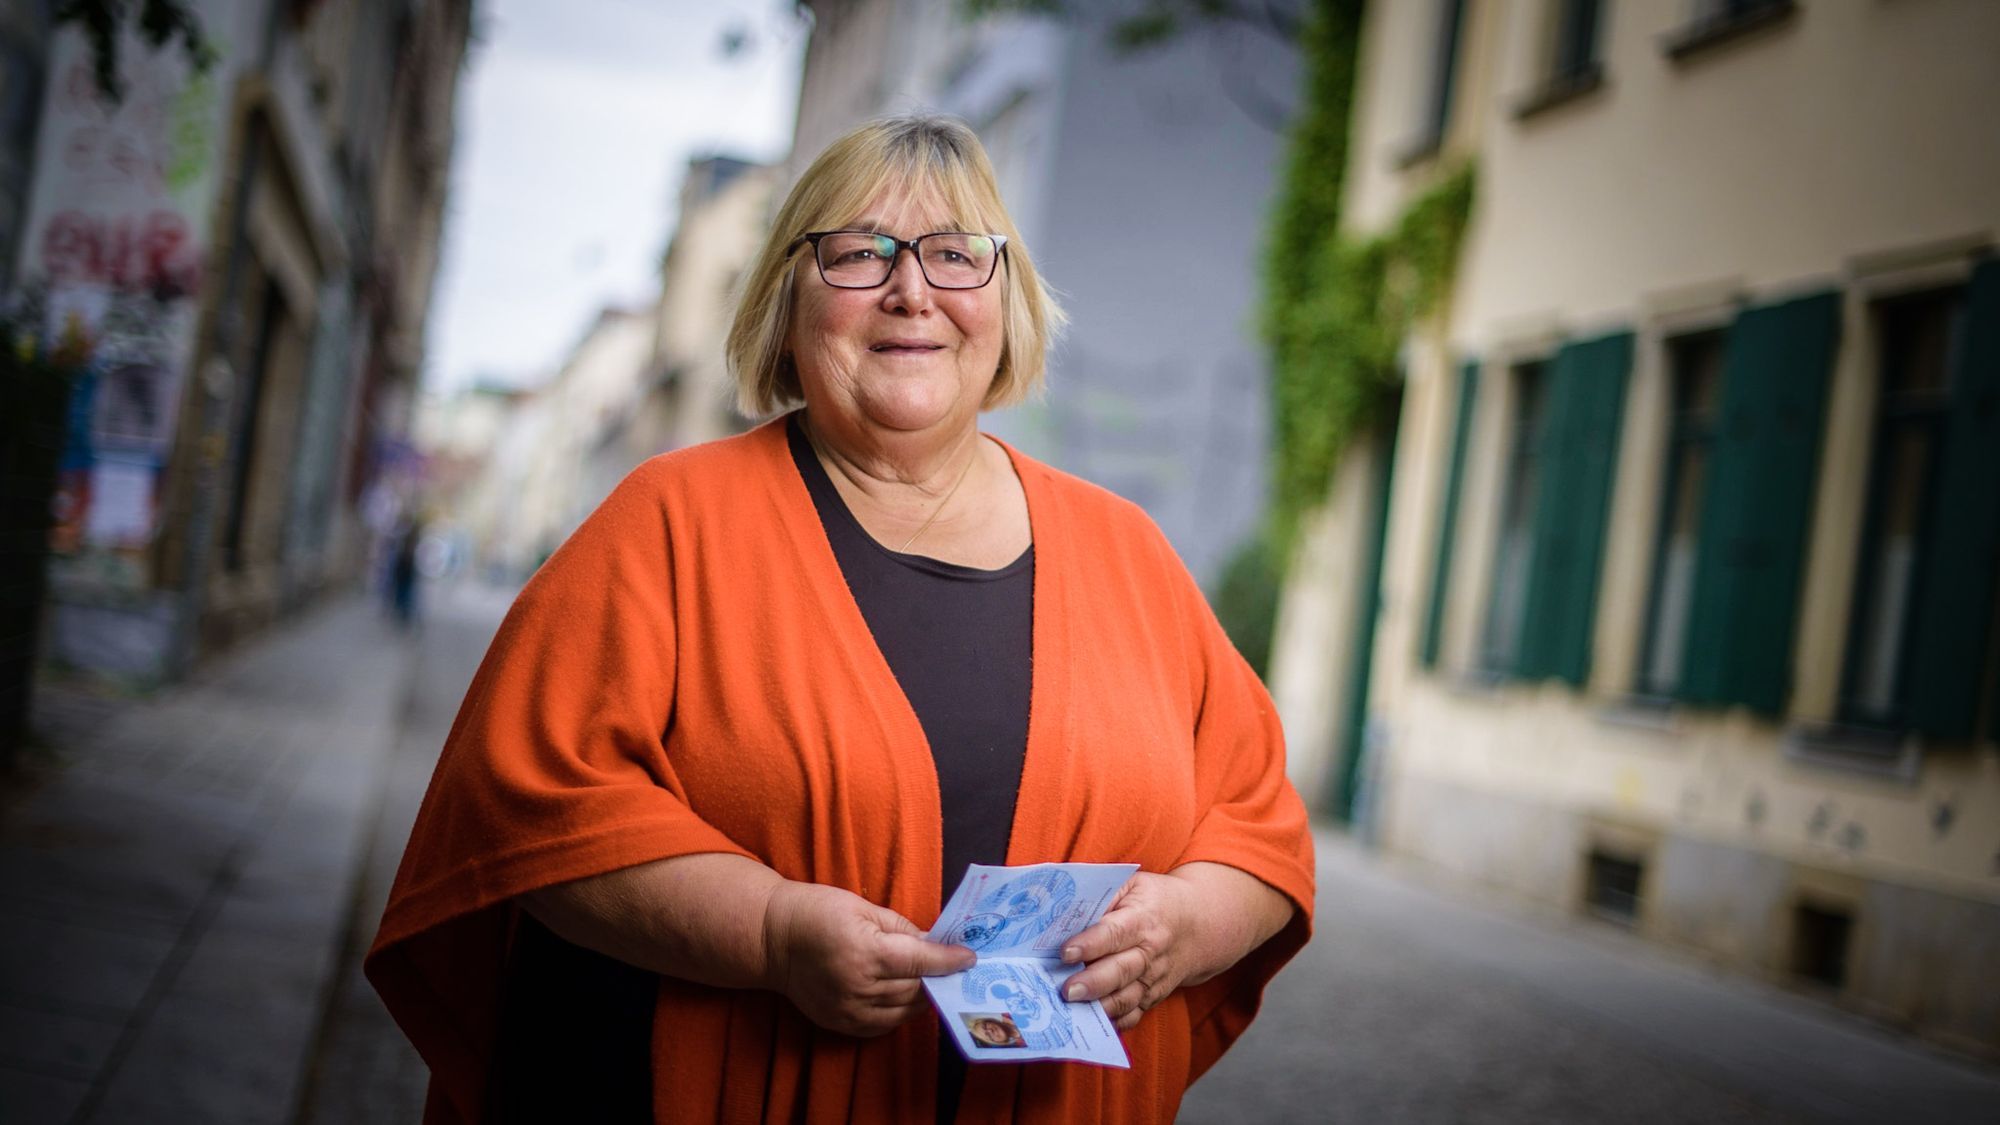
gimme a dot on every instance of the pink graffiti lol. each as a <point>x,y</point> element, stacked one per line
<point>115,143</point>
<point>123,251</point>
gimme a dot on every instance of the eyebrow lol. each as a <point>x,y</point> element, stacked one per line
<point>869,225</point>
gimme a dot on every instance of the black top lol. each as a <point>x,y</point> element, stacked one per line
<point>958,640</point>
<point>575,1028</point>
<point>960,643</point>
<point>575,1039</point>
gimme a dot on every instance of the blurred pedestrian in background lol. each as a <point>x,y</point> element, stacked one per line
<point>404,571</point>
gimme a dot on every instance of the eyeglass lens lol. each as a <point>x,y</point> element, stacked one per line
<point>859,260</point>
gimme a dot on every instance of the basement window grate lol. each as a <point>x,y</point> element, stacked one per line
<point>1611,887</point>
<point>1820,939</point>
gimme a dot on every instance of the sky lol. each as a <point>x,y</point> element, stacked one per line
<point>576,122</point>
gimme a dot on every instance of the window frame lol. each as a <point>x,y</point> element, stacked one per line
<point>1559,80</point>
<point>1729,21</point>
<point>1526,420</point>
<point>1686,429</point>
<point>1440,87</point>
<point>1887,420</point>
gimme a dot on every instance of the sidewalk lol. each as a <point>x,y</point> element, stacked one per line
<point>174,892</point>
<point>1423,1001</point>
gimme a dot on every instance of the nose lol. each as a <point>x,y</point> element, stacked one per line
<point>907,290</point>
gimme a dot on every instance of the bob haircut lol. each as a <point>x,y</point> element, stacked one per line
<point>926,157</point>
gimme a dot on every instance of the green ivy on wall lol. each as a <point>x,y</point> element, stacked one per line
<point>1336,311</point>
<point>1337,308</point>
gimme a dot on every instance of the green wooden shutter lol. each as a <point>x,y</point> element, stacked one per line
<point>1550,531</point>
<point>1468,395</point>
<point>1757,504</point>
<point>1578,464</point>
<point>1955,576</point>
<point>1606,364</point>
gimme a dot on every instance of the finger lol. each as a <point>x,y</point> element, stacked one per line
<point>1106,975</point>
<point>1129,999</point>
<point>892,994</point>
<point>881,1021</point>
<point>1115,931</point>
<point>891,922</point>
<point>906,955</point>
<point>1129,1020</point>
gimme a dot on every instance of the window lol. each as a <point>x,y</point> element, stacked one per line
<point>1919,340</point>
<point>1438,90</point>
<point>1517,516</point>
<point>1574,53</point>
<point>1584,400</point>
<point>1611,886</point>
<point>1696,364</point>
<point>1949,635</point>
<point>1570,65</point>
<point>1568,411</point>
<point>1711,11</point>
<point>1718,21</point>
<point>1758,483</point>
<point>1821,938</point>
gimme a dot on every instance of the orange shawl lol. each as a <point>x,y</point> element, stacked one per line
<point>689,673</point>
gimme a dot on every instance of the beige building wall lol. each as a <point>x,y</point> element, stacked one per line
<point>1311,663</point>
<point>719,233</point>
<point>857,55</point>
<point>1847,146</point>
<point>595,394</point>
<point>506,508</point>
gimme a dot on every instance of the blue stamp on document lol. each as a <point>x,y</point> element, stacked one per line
<point>1018,911</point>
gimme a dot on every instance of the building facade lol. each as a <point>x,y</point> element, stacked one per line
<point>1690,524</point>
<point>525,468</point>
<point>725,209</point>
<point>1141,180</point>
<point>247,251</point>
<point>556,451</point>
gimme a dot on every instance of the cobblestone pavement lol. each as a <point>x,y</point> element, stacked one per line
<point>174,879</point>
<point>1419,1002</point>
<point>185,879</point>
<point>186,890</point>
<point>364,1071</point>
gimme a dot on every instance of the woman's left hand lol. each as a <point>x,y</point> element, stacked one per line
<point>1165,931</point>
<point>1143,948</point>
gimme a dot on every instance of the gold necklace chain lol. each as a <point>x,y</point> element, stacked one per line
<point>812,438</point>
<point>939,510</point>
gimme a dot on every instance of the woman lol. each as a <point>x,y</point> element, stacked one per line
<point>745,729</point>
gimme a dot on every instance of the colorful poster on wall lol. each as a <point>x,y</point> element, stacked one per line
<point>113,251</point>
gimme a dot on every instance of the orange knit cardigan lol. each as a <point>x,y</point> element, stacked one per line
<point>689,673</point>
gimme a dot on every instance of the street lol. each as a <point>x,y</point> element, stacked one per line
<point>190,880</point>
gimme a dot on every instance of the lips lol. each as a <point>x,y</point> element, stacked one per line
<point>905,347</point>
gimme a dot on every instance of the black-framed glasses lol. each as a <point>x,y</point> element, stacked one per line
<point>860,259</point>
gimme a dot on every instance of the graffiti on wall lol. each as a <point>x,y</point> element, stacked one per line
<point>125,252</point>
<point>113,255</point>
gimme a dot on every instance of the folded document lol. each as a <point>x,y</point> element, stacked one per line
<point>1009,1006</point>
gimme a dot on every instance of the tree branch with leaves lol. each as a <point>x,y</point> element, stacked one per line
<point>159,22</point>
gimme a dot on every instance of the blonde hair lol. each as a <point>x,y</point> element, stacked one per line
<point>914,156</point>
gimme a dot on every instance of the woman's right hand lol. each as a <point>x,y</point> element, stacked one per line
<point>851,966</point>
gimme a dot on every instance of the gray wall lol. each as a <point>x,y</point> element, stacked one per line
<point>1151,226</point>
